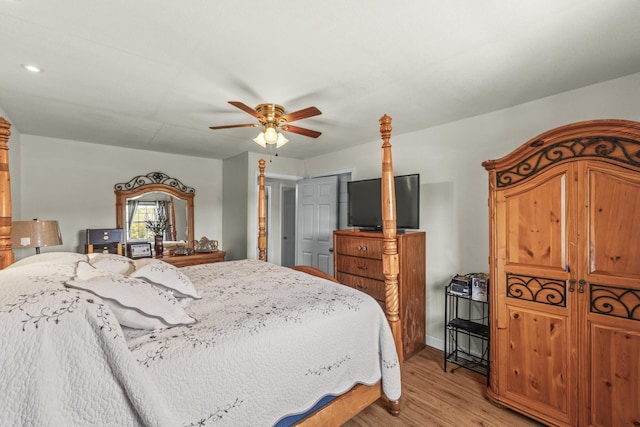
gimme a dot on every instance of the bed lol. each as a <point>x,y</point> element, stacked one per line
<point>100,339</point>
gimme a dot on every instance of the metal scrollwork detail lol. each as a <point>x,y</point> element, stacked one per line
<point>536,289</point>
<point>620,149</point>
<point>618,302</point>
<point>154,178</point>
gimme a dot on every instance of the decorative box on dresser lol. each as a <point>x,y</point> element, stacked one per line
<point>565,275</point>
<point>194,259</point>
<point>358,263</point>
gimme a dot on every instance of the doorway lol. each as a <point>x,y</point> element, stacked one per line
<point>284,215</point>
<point>288,241</point>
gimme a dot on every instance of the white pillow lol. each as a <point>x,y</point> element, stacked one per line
<point>85,271</point>
<point>165,275</point>
<point>111,263</point>
<point>135,303</point>
<point>62,258</point>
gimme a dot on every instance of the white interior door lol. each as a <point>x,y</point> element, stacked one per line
<point>317,218</point>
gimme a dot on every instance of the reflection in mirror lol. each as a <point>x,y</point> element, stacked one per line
<point>145,198</point>
<point>149,207</point>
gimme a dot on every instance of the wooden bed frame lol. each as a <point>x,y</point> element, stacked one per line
<point>359,397</point>
<point>346,406</point>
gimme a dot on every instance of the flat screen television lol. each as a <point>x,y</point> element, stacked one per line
<point>365,204</point>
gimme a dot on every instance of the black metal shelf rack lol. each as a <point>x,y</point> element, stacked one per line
<point>466,335</point>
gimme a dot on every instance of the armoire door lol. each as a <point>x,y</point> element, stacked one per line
<point>610,296</point>
<point>536,363</point>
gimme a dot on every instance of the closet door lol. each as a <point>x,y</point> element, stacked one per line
<point>611,295</point>
<point>536,359</point>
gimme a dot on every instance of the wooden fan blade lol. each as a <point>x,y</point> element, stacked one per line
<point>302,114</point>
<point>301,131</point>
<point>246,109</point>
<point>234,126</point>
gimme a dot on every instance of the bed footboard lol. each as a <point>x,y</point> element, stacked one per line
<point>314,272</point>
<point>346,406</point>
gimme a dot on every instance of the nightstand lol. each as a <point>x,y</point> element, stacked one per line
<point>194,259</point>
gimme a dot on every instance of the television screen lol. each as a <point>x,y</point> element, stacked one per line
<point>365,204</point>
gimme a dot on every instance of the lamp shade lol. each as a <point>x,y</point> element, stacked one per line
<point>35,234</point>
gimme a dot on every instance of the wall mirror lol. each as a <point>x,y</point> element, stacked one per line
<point>144,197</point>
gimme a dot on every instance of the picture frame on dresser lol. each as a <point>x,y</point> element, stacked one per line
<point>139,250</point>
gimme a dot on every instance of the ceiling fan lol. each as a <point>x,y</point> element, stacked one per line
<point>272,118</point>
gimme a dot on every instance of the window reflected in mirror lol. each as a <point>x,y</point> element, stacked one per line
<point>146,199</point>
<point>150,207</point>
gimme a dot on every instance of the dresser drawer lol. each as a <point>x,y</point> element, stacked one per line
<point>358,264</point>
<point>104,248</point>
<point>374,288</point>
<point>365,267</point>
<point>359,246</point>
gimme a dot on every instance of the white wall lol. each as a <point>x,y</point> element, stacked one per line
<point>454,185</point>
<point>73,181</point>
<point>235,198</point>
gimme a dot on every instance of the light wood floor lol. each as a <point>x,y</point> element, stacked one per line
<point>431,397</point>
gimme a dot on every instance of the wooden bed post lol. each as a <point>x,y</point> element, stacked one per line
<point>347,405</point>
<point>262,215</point>
<point>6,254</point>
<point>390,250</point>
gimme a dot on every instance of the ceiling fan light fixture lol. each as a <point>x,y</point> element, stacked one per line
<point>281,140</point>
<point>272,118</point>
<point>260,140</point>
<point>270,135</point>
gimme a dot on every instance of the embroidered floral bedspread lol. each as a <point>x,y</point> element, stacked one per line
<point>64,359</point>
<point>269,342</point>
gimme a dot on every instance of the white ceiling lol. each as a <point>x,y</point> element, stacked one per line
<point>155,74</point>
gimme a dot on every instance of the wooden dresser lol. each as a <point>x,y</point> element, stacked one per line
<point>565,275</point>
<point>358,263</point>
<point>194,259</point>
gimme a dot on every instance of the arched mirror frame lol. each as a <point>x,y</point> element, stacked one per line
<point>154,181</point>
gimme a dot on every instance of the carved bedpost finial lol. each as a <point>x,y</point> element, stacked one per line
<point>262,214</point>
<point>4,130</point>
<point>385,129</point>
<point>6,254</point>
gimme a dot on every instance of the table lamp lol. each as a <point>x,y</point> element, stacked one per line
<point>35,234</point>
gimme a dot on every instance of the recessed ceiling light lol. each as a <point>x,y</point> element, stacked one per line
<point>32,68</point>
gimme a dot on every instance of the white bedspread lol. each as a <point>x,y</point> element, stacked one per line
<point>269,342</point>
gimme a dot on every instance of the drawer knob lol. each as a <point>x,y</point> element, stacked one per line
<point>362,267</point>
<point>362,287</point>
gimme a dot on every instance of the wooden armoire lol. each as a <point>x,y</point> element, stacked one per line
<point>565,275</point>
